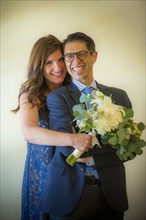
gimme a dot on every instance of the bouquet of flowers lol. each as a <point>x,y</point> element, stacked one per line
<point>97,114</point>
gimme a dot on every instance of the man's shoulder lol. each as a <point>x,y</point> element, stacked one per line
<point>62,89</point>
<point>109,88</point>
<point>119,96</point>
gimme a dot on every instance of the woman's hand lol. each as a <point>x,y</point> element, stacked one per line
<point>81,142</point>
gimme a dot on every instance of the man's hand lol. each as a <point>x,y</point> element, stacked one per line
<point>83,160</point>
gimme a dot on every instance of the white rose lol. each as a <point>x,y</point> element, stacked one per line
<point>101,125</point>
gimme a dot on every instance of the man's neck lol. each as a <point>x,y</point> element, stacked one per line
<point>86,81</point>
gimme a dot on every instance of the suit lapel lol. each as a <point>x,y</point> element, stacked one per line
<point>74,92</point>
<point>103,89</point>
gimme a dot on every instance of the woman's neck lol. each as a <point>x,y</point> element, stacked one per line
<point>52,87</point>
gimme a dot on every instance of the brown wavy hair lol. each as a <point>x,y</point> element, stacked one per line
<point>35,85</point>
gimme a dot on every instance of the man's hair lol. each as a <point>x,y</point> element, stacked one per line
<point>79,36</point>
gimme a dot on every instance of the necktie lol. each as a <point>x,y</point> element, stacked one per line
<point>88,90</point>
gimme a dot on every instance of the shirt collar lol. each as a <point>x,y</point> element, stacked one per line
<point>81,86</point>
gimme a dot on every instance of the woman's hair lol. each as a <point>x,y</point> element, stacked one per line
<point>35,85</point>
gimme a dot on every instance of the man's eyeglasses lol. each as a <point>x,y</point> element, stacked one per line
<point>69,57</point>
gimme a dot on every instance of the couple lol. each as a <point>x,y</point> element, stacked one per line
<point>95,187</point>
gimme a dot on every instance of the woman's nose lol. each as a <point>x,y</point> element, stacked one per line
<point>58,67</point>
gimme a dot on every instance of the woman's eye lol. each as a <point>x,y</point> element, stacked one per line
<point>49,62</point>
<point>61,59</point>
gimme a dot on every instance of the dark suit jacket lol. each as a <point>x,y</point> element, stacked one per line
<point>64,183</point>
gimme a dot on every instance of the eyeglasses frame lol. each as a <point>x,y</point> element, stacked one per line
<point>76,53</point>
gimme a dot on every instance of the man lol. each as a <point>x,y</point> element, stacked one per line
<point>95,190</point>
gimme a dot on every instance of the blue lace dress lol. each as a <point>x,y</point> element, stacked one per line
<point>35,171</point>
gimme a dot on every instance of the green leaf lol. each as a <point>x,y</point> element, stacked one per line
<point>134,138</point>
<point>122,150</point>
<point>132,148</point>
<point>125,157</point>
<point>83,98</point>
<point>141,126</point>
<point>141,143</point>
<point>95,108</point>
<point>85,115</point>
<point>113,140</point>
<point>104,141</point>
<point>128,153</point>
<point>121,134</point>
<point>115,146</point>
<point>76,114</point>
<point>139,151</point>
<point>79,108</point>
<point>125,142</point>
<point>129,112</point>
<point>118,154</point>
<point>132,156</point>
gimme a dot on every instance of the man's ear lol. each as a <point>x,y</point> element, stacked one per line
<point>94,56</point>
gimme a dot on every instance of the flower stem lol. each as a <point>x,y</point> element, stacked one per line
<point>71,160</point>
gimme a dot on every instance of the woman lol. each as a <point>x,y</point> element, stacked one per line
<point>46,72</point>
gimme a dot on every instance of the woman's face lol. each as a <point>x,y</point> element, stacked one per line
<point>54,70</point>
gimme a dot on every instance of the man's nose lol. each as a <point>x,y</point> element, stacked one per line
<point>76,59</point>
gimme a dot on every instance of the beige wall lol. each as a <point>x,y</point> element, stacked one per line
<point>118,28</point>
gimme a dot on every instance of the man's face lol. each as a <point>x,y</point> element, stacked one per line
<point>80,69</point>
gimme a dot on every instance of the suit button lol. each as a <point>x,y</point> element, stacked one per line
<point>82,169</point>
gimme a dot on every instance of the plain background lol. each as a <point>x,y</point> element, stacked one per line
<point>118,28</point>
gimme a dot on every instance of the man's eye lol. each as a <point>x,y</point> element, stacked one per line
<point>82,54</point>
<point>69,56</point>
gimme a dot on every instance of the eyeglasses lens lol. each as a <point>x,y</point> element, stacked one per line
<point>81,55</point>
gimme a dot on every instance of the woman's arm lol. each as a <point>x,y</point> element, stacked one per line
<point>29,119</point>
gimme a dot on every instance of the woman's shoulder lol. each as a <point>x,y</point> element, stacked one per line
<point>24,98</point>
